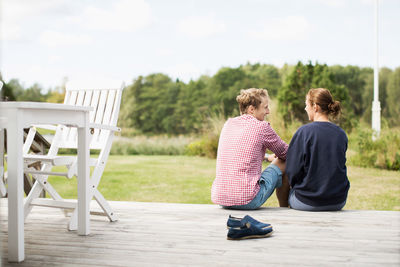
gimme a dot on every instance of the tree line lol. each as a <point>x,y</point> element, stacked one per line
<point>15,91</point>
<point>157,104</point>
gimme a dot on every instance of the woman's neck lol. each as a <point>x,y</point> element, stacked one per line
<point>321,117</point>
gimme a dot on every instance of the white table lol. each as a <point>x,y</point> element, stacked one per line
<point>15,116</point>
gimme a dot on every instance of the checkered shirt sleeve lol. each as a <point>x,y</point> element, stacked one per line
<point>241,149</point>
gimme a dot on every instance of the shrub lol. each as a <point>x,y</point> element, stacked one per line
<point>382,153</point>
<point>207,146</point>
<point>196,148</point>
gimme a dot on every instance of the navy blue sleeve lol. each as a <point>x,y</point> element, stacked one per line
<point>295,159</point>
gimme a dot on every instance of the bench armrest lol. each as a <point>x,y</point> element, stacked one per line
<point>104,127</point>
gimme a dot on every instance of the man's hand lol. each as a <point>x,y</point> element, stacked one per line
<point>269,157</point>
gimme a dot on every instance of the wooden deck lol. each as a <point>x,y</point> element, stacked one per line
<point>159,234</point>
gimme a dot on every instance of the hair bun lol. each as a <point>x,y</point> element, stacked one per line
<point>334,107</point>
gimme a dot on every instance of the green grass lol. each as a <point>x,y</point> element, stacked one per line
<point>373,189</point>
<point>179,179</point>
<point>184,179</point>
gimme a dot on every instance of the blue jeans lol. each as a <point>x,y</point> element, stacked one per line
<point>296,204</point>
<point>270,179</point>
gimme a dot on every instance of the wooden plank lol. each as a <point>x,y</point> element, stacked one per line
<point>191,234</point>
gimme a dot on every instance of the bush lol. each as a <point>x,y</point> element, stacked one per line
<point>382,153</point>
<point>208,144</point>
<point>196,148</point>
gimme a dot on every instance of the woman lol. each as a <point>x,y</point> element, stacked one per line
<point>239,183</point>
<point>316,159</point>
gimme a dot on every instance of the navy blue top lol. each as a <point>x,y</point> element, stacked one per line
<point>316,164</point>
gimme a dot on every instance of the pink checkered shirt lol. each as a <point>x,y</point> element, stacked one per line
<point>241,151</point>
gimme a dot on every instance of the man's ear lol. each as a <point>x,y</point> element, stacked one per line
<point>250,109</point>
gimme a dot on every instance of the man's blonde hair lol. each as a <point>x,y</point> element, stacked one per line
<point>251,96</point>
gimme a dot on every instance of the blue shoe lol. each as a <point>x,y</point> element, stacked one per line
<point>240,222</point>
<point>248,231</point>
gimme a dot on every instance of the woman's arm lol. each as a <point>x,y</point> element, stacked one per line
<point>295,159</point>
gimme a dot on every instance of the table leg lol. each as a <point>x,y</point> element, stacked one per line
<point>83,180</point>
<point>15,191</point>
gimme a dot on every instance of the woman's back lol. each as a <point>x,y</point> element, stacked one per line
<point>316,164</point>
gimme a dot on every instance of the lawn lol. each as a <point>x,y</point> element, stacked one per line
<point>184,179</point>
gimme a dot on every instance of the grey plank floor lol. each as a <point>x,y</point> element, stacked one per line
<point>160,234</point>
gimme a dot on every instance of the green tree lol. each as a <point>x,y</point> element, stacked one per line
<point>223,88</point>
<point>57,94</point>
<point>304,77</point>
<point>284,72</point>
<point>352,78</point>
<point>191,107</point>
<point>149,104</point>
<point>6,92</point>
<point>264,76</point>
<point>128,103</point>
<point>393,96</point>
<point>33,93</point>
<point>291,96</point>
<point>384,76</point>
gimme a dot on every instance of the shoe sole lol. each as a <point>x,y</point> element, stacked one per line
<point>229,227</point>
<point>250,237</point>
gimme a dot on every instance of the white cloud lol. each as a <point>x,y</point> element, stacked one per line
<point>33,73</point>
<point>11,33</point>
<point>333,3</point>
<point>201,27</point>
<point>93,81</point>
<point>123,16</point>
<point>291,28</point>
<point>19,9</point>
<point>14,13</point>
<point>345,3</point>
<point>56,58</point>
<point>164,52</point>
<point>53,38</point>
<point>18,17</point>
<point>369,2</point>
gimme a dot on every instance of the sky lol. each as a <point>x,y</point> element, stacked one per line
<point>48,41</point>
